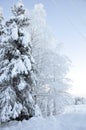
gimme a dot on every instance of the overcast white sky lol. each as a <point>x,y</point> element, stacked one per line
<point>67,19</point>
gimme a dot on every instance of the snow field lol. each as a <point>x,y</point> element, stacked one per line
<point>68,121</point>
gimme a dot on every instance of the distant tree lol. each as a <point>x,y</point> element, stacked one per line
<point>80,100</point>
<point>51,64</point>
<point>17,68</point>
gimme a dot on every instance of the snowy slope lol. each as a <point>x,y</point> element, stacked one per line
<point>67,121</point>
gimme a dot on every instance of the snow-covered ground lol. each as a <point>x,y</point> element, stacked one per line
<point>73,120</point>
<point>76,109</point>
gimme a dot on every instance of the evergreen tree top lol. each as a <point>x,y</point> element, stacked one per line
<point>20,14</point>
<point>18,8</point>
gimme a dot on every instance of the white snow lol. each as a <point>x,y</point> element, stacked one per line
<point>4,76</point>
<point>19,3</point>
<point>26,38</point>
<point>67,121</point>
<point>14,34</point>
<point>21,66</point>
<point>27,62</point>
<point>22,85</point>
<point>9,110</point>
<point>16,110</point>
<point>75,109</point>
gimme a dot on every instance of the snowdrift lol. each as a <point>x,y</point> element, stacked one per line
<point>67,121</point>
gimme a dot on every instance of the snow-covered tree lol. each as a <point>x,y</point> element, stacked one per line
<point>52,65</point>
<point>1,23</point>
<point>17,68</point>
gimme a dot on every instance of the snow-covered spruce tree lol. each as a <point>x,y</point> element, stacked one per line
<point>52,65</point>
<point>8,105</point>
<point>17,73</point>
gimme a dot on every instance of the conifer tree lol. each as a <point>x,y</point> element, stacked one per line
<point>17,68</point>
